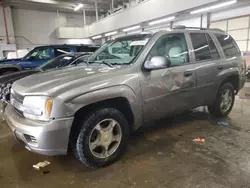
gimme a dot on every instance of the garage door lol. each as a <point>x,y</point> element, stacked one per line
<point>239,28</point>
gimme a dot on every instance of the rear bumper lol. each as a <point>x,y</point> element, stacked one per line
<point>46,138</point>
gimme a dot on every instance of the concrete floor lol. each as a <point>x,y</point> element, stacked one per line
<point>162,154</point>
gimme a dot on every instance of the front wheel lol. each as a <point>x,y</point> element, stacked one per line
<point>224,101</point>
<point>102,138</point>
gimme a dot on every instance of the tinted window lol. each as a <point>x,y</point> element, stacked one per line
<point>174,47</point>
<point>60,61</point>
<point>228,45</point>
<point>213,50</point>
<point>87,49</point>
<point>201,47</point>
<point>61,51</point>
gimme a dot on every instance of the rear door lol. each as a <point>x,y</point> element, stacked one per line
<point>232,57</point>
<point>169,90</point>
<point>207,59</point>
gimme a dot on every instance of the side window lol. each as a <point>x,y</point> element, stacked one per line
<point>42,54</point>
<point>173,46</point>
<point>201,47</point>
<point>60,51</point>
<point>213,50</point>
<point>228,45</point>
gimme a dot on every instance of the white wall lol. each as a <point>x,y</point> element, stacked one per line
<point>34,28</point>
<point>145,11</point>
<point>230,13</point>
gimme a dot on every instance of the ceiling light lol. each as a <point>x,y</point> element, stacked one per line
<point>111,33</point>
<point>97,37</point>
<point>78,7</point>
<point>131,28</point>
<point>162,20</point>
<point>214,7</point>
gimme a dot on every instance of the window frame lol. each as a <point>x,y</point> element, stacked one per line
<point>172,33</point>
<point>192,47</point>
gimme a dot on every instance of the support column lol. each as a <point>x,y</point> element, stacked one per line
<point>112,5</point>
<point>96,11</point>
<point>208,19</point>
<point>84,18</point>
<point>58,18</point>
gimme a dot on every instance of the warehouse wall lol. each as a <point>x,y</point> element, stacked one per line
<point>236,24</point>
<point>145,11</point>
<point>31,32</point>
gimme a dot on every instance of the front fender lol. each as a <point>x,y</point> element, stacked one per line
<point>2,66</point>
<point>109,93</point>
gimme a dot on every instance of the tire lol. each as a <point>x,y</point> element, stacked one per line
<point>82,149</point>
<point>215,109</point>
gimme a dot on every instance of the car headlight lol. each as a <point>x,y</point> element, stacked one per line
<point>37,107</point>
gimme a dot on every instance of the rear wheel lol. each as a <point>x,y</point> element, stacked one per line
<point>224,101</point>
<point>102,138</point>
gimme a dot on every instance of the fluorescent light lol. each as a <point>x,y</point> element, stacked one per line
<point>162,20</point>
<point>214,7</point>
<point>131,28</point>
<point>111,33</point>
<point>78,7</point>
<point>97,37</point>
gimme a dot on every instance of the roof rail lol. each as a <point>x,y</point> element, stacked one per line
<point>200,28</point>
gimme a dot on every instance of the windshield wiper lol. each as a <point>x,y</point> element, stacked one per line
<point>102,62</point>
<point>107,63</point>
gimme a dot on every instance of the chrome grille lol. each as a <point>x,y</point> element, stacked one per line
<point>16,98</point>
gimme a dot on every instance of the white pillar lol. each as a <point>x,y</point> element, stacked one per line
<point>96,11</point>
<point>112,5</point>
<point>84,18</point>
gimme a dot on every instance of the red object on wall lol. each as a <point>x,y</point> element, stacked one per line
<point>5,24</point>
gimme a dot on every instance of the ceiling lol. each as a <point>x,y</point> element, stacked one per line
<point>64,5</point>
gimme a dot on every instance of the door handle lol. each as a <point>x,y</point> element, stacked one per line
<point>188,73</point>
<point>220,67</point>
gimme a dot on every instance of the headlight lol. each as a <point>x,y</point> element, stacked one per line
<point>37,107</point>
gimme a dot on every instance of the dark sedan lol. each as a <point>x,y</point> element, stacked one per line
<point>72,59</point>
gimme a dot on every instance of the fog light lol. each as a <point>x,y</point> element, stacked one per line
<point>30,139</point>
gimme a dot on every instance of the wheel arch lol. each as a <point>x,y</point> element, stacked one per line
<point>120,97</point>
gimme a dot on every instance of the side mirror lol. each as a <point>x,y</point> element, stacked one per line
<point>157,62</point>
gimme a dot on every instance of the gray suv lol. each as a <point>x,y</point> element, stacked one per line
<point>127,82</point>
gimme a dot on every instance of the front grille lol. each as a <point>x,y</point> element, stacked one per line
<point>17,98</point>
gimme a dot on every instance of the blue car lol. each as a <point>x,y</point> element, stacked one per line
<point>40,55</point>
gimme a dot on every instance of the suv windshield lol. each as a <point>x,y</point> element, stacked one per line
<point>121,50</point>
<point>38,54</point>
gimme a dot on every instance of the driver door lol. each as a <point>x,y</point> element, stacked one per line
<point>169,90</point>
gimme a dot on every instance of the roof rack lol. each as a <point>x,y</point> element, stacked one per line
<point>200,28</point>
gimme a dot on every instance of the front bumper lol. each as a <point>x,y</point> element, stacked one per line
<point>46,138</point>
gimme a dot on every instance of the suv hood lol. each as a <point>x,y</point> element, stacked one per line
<point>9,60</point>
<point>56,81</point>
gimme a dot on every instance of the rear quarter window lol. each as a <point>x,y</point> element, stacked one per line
<point>228,45</point>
